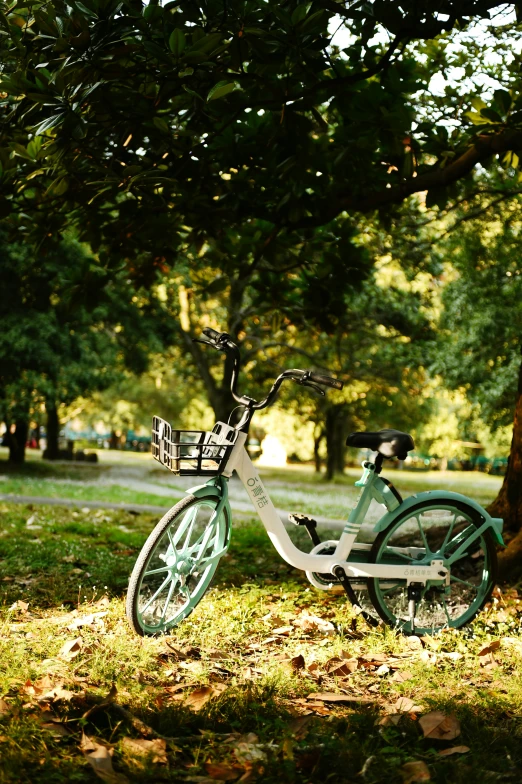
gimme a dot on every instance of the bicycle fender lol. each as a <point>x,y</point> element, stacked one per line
<point>200,491</point>
<point>495,523</point>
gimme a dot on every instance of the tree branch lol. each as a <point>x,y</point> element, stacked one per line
<point>479,152</point>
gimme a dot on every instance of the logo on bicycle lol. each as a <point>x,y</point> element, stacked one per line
<point>415,572</point>
<point>257,491</point>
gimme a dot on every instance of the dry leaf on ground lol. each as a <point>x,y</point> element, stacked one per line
<point>56,728</point>
<point>390,720</point>
<point>222,772</point>
<point>328,696</point>
<point>87,620</point>
<point>248,751</point>
<point>71,648</point>
<point>405,705</point>
<point>437,726</point>
<point>415,771</point>
<point>453,750</point>
<point>414,643</point>
<point>312,623</point>
<point>493,646</point>
<point>199,697</point>
<point>99,758</point>
<point>400,676</point>
<point>298,662</point>
<point>339,667</point>
<point>4,707</point>
<point>156,749</point>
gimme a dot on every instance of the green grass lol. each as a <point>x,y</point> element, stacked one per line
<point>81,491</point>
<point>66,565</point>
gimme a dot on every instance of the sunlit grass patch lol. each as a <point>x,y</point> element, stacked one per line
<point>242,688</point>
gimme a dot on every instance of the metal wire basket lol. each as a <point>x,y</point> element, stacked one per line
<point>192,452</point>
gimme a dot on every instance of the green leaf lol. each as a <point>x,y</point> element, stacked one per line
<point>177,42</point>
<point>491,115</point>
<point>217,285</point>
<point>49,123</point>
<point>503,100</point>
<point>185,72</point>
<point>478,104</point>
<point>58,187</point>
<point>208,42</point>
<point>221,89</point>
<point>161,124</point>
<point>476,118</point>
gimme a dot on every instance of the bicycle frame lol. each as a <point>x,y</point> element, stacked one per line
<point>372,486</point>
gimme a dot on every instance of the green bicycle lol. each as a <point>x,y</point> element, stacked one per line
<point>431,566</point>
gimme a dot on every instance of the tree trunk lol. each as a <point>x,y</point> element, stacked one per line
<point>335,428</point>
<point>317,457</point>
<point>508,503</point>
<point>17,441</point>
<point>52,451</point>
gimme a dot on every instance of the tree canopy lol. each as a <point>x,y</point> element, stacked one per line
<point>142,124</point>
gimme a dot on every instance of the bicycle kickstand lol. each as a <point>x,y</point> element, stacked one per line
<point>414,595</point>
<point>345,582</point>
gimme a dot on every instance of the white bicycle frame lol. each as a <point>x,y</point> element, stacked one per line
<point>372,486</point>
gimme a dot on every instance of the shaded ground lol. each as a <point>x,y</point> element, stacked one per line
<point>226,697</point>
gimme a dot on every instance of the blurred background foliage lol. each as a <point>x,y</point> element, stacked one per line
<point>336,184</point>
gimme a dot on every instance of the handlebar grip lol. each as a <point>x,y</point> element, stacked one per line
<point>211,333</point>
<point>326,381</point>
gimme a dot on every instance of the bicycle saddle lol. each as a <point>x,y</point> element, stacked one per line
<point>389,443</point>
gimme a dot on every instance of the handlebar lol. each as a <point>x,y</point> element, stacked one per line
<point>223,342</point>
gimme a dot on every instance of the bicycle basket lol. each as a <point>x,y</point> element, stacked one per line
<point>192,452</point>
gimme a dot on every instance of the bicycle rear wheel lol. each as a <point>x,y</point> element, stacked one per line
<point>176,565</point>
<point>435,530</point>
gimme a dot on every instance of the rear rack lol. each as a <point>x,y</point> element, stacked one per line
<point>192,452</point>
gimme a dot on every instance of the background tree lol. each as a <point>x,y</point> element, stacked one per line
<point>68,328</point>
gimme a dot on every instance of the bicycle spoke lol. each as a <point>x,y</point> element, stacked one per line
<point>167,601</point>
<point>189,531</point>
<point>442,548</point>
<point>187,520</point>
<point>155,596</point>
<point>423,535</point>
<point>446,611</point>
<point>157,571</point>
<point>463,582</point>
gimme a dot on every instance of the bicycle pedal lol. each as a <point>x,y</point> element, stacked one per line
<point>301,519</point>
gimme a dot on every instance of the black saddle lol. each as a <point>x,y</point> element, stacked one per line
<point>389,443</point>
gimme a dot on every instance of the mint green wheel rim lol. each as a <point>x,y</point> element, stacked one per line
<point>433,532</point>
<point>180,566</point>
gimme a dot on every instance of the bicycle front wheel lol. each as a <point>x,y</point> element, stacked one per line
<point>431,531</point>
<point>176,564</point>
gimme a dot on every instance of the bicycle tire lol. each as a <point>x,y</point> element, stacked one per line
<point>481,565</point>
<point>155,541</point>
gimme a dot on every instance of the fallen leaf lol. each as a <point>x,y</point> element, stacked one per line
<point>99,758</point>
<point>199,697</point>
<point>71,649</point>
<point>86,620</point>
<point>312,623</point>
<point>56,728</point>
<point>297,663</point>
<point>4,707</point>
<point>328,696</point>
<point>222,772</point>
<point>405,705</point>
<point>283,631</point>
<point>248,751</point>
<point>391,719</point>
<point>414,643</point>
<point>20,605</point>
<point>415,771</point>
<point>437,726</point>
<point>493,646</point>
<point>382,670</point>
<point>401,676</point>
<point>338,667</point>
<point>298,726</point>
<point>453,750</point>
<point>155,749</point>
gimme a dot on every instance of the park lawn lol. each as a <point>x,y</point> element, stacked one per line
<point>226,696</point>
